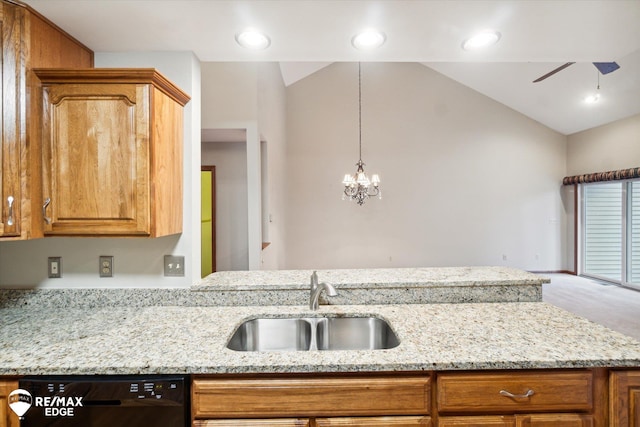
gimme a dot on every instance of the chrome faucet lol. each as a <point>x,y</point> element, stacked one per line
<point>316,288</point>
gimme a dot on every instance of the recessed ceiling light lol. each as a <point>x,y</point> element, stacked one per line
<point>592,99</point>
<point>252,39</point>
<point>369,39</point>
<point>482,39</point>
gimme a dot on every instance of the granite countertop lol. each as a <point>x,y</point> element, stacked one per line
<point>170,339</point>
<point>370,278</point>
<point>377,285</point>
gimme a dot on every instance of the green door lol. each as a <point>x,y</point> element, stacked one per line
<point>208,232</point>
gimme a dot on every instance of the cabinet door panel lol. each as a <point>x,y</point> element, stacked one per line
<point>373,422</point>
<point>283,422</point>
<point>624,399</point>
<point>554,420</point>
<point>11,136</point>
<point>96,159</point>
<point>482,421</point>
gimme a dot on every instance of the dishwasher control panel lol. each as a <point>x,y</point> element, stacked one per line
<point>70,401</point>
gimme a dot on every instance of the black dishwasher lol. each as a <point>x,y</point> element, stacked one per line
<point>106,401</point>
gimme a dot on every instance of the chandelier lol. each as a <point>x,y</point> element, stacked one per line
<point>358,187</point>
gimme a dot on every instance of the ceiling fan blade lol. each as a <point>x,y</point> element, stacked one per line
<point>551,73</point>
<point>606,67</point>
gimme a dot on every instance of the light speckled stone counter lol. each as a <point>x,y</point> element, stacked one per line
<point>382,286</point>
<point>168,339</point>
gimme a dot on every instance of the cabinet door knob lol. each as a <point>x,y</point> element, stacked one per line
<point>47,220</point>
<point>528,393</point>
<point>10,218</point>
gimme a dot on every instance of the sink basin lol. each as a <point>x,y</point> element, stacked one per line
<point>323,333</point>
<point>355,333</point>
<point>272,335</point>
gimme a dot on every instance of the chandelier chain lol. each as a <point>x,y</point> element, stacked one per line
<point>359,112</point>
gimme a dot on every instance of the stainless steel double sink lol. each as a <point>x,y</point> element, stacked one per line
<point>313,333</point>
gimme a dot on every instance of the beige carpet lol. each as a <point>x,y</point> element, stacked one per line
<point>613,306</point>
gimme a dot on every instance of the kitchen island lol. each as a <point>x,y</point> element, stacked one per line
<point>167,339</point>
<point>453,362</point>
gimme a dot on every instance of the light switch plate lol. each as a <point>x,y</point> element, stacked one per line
<point>174,265</point>
<point>54,267</point>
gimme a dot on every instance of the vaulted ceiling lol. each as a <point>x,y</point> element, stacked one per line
<point>537,36</point>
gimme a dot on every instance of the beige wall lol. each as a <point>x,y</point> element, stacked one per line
<point>272,125</point>
<point>465,180</point>
<point>229,93</point>
<point>247,96</point>
<point>610,147</point>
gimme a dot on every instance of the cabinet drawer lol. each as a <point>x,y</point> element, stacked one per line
<point>555,420</point>
<point>516,392</point>
<point>274,422</point>
<point>315,396</point>
<point>536,420</point>
<point>374,422</point>
<point>485,421</point>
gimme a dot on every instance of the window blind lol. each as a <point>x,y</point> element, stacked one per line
<point>603,230</point>
<point>634,235</point>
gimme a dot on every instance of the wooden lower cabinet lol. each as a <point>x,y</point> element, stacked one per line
<point>597,397</point>
<point>7,417</point>
<point>320,422</point>
<point>279,422</point>
<point>311,396</point>
<point>535,420</point>
<point>513,392</point>
<point>315,401</point>
<point>624,399</point>
<point>373,422</point>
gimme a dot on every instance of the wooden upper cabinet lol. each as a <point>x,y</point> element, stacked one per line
<point>28,41</point>
<point>112,143</point>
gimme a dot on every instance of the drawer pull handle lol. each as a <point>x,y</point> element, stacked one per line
<point>529,393</point>
<point>10,203</point>
<point>44,211</point>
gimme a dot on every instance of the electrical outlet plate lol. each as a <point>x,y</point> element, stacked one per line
<point>54,267</point>
<point>105,267</point>
<point>174,265</point>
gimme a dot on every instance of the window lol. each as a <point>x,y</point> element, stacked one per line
<point>610,228</point>
<point>634,235</point>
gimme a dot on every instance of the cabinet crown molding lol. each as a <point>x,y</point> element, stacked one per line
<point>112,76</point>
